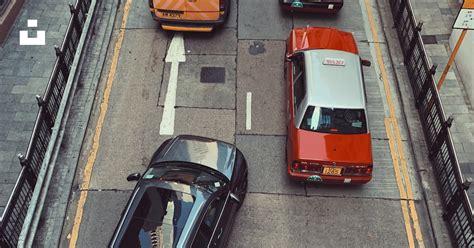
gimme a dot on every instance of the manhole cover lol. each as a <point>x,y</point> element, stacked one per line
<point>429,39</point>
<point>212,75</point>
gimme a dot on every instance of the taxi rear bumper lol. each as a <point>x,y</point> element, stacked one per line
<point>190,25</point>
<point>319,178</point>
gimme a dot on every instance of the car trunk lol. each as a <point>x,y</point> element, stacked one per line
<point>339,148</point>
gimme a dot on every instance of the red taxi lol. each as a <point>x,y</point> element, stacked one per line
<point>317,6</point>
<point>328,134</point>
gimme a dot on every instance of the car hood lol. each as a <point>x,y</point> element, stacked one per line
<point>186,5</point>
<point>339,148</point>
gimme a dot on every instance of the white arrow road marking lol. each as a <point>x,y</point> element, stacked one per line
<point>175,55</point>
<point>248,120</point>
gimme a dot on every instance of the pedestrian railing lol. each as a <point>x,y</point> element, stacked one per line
<point>453,187</point>
<point>11,222</point>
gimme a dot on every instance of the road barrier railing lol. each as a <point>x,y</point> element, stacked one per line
<point>13,217</point>
<point>453,186</point>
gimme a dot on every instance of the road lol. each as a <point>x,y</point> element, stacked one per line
<point>244,102</point>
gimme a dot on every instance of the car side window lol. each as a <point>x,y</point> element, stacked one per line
<point>299,90</point>
<point>208,224</point>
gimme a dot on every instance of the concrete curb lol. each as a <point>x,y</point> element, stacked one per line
<point>41,188</point>
<point>415,133</point>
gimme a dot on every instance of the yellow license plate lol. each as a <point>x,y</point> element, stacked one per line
<point>335,171</point>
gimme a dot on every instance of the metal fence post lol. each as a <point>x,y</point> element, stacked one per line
<point>413,40</point>
<point>47,116</point>
<point>440,137</point>
<point>456,200</point>
<point>426,86</point>
<point>22,159</point>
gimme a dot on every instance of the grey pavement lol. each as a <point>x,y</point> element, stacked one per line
<point>438,17</point>
<point>24,73</point>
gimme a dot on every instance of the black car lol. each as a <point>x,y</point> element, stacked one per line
<point>187,197</point>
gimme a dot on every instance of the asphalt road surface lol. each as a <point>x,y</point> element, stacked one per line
<point>245,104</point>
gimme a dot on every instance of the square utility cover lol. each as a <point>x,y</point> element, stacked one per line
<point>213,75</point>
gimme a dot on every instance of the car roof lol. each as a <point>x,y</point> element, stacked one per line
<point>334,86</point>
<point>214,154</point>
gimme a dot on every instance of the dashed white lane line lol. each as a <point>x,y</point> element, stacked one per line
<point>175,55</point>
<point>248,118</point>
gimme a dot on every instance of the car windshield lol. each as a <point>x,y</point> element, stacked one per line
<point>185,175</point>
<point>158,218</point>
<point>334,120</point>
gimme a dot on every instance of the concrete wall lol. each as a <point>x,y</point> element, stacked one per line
<point>465,59</point>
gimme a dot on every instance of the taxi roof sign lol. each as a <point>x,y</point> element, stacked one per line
<point>332,61</point>
<point>465,18</point>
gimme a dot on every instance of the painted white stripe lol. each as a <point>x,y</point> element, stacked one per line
<point>248,120</point>
<point>175,55</point>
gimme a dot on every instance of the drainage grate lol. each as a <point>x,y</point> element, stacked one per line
<point>213,75</point>
<point>429,39</point>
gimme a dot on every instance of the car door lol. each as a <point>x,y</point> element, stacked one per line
<point>209,223</point>
<point>224,226</point>
<point>296,94</point>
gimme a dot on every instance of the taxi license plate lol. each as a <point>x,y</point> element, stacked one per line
<point>172,14</point>
<point>335,171</point>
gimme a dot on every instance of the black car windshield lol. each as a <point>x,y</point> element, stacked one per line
<point>334,120</point>
<point>158,218</point>
<point>185,175</point>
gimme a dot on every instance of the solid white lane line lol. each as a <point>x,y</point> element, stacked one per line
<point>175,55</point>
<point>248,120</point>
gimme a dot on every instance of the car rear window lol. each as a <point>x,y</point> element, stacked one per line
<point>334,120</point>
<point>158,219</point>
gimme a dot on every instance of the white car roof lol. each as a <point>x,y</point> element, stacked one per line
<point>334,86</point>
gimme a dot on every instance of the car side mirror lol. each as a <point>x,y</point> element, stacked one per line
<point>133,177</point>
<point>365,62</point>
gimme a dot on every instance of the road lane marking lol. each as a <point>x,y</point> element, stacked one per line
<point>248,120</point>
<point>175,55</point>
<point>396,148</point>
<point>401,188</point>
<point>86,178</point>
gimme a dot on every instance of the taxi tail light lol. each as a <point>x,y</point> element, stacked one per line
<point>296,166</point>
<point>358,170</point>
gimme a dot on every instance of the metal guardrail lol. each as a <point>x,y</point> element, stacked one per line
<point>458,211</point>
<point>11,222</point>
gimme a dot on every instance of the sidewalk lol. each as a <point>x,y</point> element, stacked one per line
<point>24,73</point>
<point>438,17</point>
